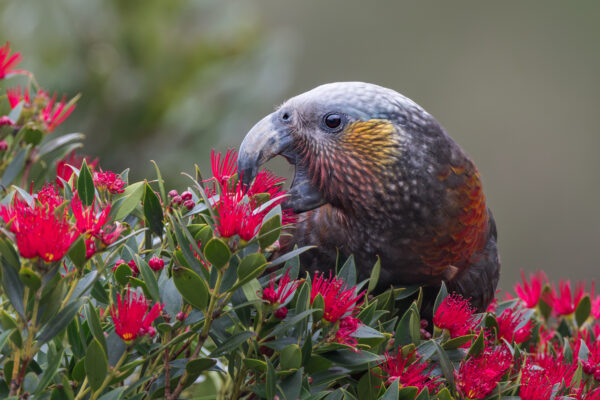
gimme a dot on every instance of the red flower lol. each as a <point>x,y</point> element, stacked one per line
<point>236,217</point>
<point>7,61</point>
<point>88,222</point>
<point>478,376</point>
<point>110,233</point>
<point>530,293</point>
<point>456,315</point>
<point>564,302</point>
<point>409,370</point>
<point>3,144</point>
<point>223,168</point>
<point>284,290</point>
<point>156,263</point>
<point>348,325</point>
<point>555,367</point>
<point>534,384</point>
<point>49,196</point>
<point>40,230</point>
<point>508,323</point>
<point>338,298</point>
<point>132,318</point>
<point>64,171</point>
<point>90,248</point>
<point>109,181</point>
<point>55,113</point>
<point>15,96</point>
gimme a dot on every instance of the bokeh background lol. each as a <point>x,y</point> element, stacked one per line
<point>517,84</point>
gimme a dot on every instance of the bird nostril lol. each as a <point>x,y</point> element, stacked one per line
<point>285,116</point>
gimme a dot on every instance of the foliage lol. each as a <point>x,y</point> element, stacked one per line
<point>121,290</point>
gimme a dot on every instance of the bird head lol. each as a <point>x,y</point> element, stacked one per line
<point>342,138</point>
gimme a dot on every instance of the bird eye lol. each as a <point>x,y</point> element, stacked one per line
<point>333,121</point>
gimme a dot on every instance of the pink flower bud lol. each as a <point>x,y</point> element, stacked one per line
<point>156,263</point>
<point>189,204</point>
<point>177,200</point>
<point>280,313</point>
<point>186,195</point>
<point>181,316</point>
<point>151,331</point>
<point>173,193</point>
<point>3,145</point>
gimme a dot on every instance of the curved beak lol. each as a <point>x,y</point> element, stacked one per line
<point>267,139</point>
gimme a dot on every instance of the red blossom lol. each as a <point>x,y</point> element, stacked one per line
<point>3,144</point>
<point>409,370</point>
<point>508,326</point>
<point>15,96</point>
<point>156,263</point>
<point>40,230</point>
<point>338,298</point>
<point>530,292</point>
<point>132,318</point>
<point>564,302</point>
<point>87,220</point>
<point>285,289</point>
<point>555,368</point>
<point>223,168</point>
<point>236,216</point>
<point>534,384</point>
<point>109,234</point>
<point>456,315</point>
<point>8,61</point>
<point>108,180</point>
<point>55,113</point>
<point>478,376</point>
<point>344,335</point>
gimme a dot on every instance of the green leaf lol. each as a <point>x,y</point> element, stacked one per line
<point>30,278</point>
<point>288,322</point>
<point>348,272</point>
<point>250,264</point>
<point>318,305</point>
<point>457,342</point>
<point>77,252</point>
<point>270,386</point>
<point>8,253</point>
<point>13,287</point>
<point>195,367</point>
<point>232,343</point>
<point>444,394</point>
<point>374,279</point>
<point>93,320</point>
<point>477,346</point>
<point>583,310</point>
<point>153,210</point>
<point>96,365</point>
<point>269,231</point>
<point>408,329</point>
<point>54,359</point>
<point>138,283</point>
<point>408,393</point>
<point>14,168</point>
<point>291,357</point>
<point>85,185</point>
<point>445,364</point>
<point>122,274</point>
<point>33,136</point>
<point>292,385</point>
<point>392,392</point>
<point>442,294</point>
<point>288,256</point>
<point>159,178</point>
<point>257,365</point>
<point>60,321</point>
<point>348,358</point>
<point>127,201</point>
<point>149,278</point>
<point>193,288</point>
<point>217,252</point>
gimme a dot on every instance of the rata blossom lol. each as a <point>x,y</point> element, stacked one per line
<point>132,316</point>
<point>510,326</point>
<point>15,96</point>
<point>565,301</point>
<point>8,62</point>
<point>54,113</point>
<point>478,376</point>
<point>346,330</point>
<point>530,292</point>
<point>456,315</point>
<point>108,180</point>
<point>409,370</point>
<point>338,298</point>
<point>278,296</point>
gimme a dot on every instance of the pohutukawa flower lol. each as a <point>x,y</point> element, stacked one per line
<point>338,298</point>
<point>223,168</point>
<point>508,323</point>
<point>109,234</point>
<point>55,113</point>
<point>88,221</point>
<point>15,96</point>
<point>456,315</point>
<point>5,120</point>
<point>108,180</point>
<point>556,368</point>
<point>534,384</point>
<point>132,317</point>
<point>236,217</point>
<point>284,290</point>
<point>344,335</point>
<point>8,61</point>
<point>40,230</point>
<point>156,263</point>
<point>564,302</point>
<point>478,376</point>
<point>530,292</point>
<point>409,370</point>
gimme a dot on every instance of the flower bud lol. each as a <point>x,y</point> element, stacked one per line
<point>156,263</point>
<point>177,200</point>
<point>280,313</point>
<point>189,204</point>
<point>173,193</point>
<point>186,195</point>
<point>181,316</point>
<point>3,145</point>
<point>151,331</point>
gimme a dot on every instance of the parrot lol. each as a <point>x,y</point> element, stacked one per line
<point>377,177</point>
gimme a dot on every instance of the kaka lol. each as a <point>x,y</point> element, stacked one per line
<point>377,176</point>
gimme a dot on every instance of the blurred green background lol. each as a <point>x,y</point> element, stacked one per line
<point>517,84</point>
